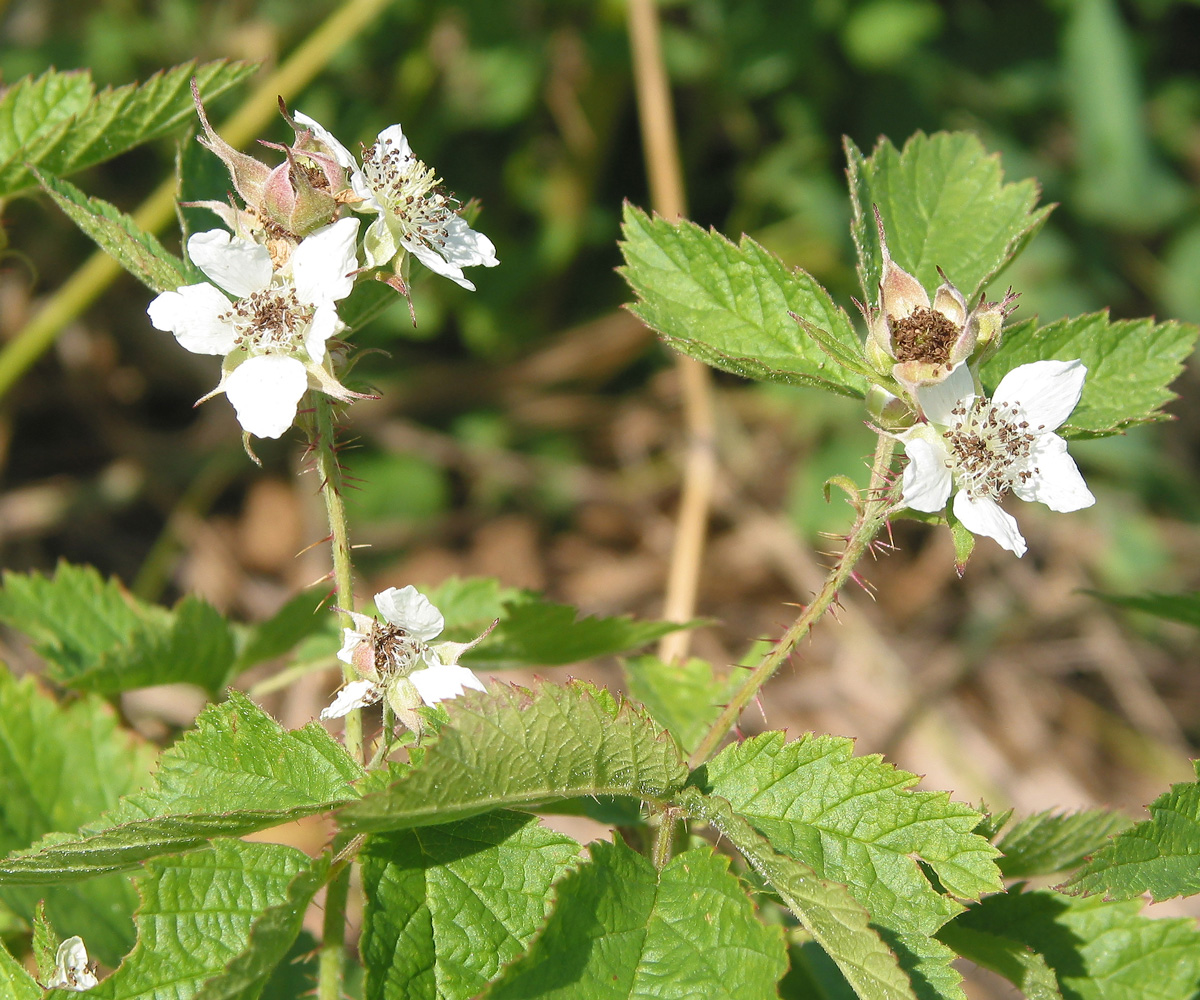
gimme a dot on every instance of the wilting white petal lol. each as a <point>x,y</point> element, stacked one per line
<point>937,401</point>
<point>1057,482</point>
<point>72,970</point>
<point>443,682</point>
<point>265,391</point>
<point>356,694</point>
<point>409,609</point>
<point>927,483</point>
<point>985,517</point>
<point>192,313</point>
<point>323,262</point>
<point>1046,390</point>
<point>238,266</point>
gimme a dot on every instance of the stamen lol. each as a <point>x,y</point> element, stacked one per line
<point>269,321</point>
<point>924,335</point>
<point>411,192</point>
<point>991,445</point>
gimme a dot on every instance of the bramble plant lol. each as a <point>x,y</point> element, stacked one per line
<point>738,861</point>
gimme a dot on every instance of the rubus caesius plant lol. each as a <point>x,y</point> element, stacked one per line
<point>739,861</point>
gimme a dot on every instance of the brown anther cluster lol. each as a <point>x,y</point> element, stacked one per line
<point>924,335</point>
<point>991,445</point>
<point>271,319</point>
<point>411,191</point>
<point>393,647</point>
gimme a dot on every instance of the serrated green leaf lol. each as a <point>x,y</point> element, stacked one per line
<point>96,637</point>
<point>296,620</point>
<point>296,975</point>
<point>474,602</point>
<point>272,935</point>
<point>945,204</point>
<point>1098,950</point>
<point>54,123</point>
<point>927,962</point>
<point>856,821</point>
<point>1050,842</point>
<point>238,771</point>
<point>136,250</point>
<point>511,747</point>
<point>62,767</point>
<point>1183,608</point>
<point>448,906</point>
<point>685,698</point>
<point>15,982</point>
<point>1014,960</point>
<point>198,915</point>
<point>1130,365</point>
<point>835,919</point>
<point>538,633</point>
<point>622,929</point>
<point>729,305</point>
<point>46,941</point>
<point>1160,855</point>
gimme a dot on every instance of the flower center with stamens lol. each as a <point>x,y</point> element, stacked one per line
<point>270,321</point>
<point>395,649</point>
<point>990,444</point>
<point>924,335</point>
<point>410,192</point>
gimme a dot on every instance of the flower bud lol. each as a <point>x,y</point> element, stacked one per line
<point>293,202</point>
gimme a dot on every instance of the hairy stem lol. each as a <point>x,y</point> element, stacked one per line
<point>872,518</point>
<point>333,928</point>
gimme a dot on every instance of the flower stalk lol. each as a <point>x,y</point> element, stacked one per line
<point>872,517</point>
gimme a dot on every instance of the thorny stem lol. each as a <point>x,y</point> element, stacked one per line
<point>871,519</point>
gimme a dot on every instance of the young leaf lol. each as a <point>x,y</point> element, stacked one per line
<point>730,305</point>
<point>136,250</point>
<point>854,820</point>
<point>1160,855</point>
<point>511,747</point>
<point>538,633</point>
<point>834,918</point>
<point>1014,960</point>
<point>57,124</point>
<point>271,937</point>
<point>622,929</point>
<point>202,916</point>
<point>236,772</point>
<point>61,767</point>
<point>15,982</point>
<point>448,906</point>
<point>1130,364</point>
<point>945,204</point>
<point>1097,949</point>
<point>1049,842</point>
<point>1183,608</point>
<point>685,698</point>
<point>95,637</point>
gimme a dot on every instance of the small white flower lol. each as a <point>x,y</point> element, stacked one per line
<point>273,337</point>
<point>411,210</point>
<point>980,449</point>
<point>72,970</point>
<point>387,656</point>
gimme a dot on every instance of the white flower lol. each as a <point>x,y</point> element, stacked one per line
<point>72,970</point>
<point>387,656</point>
<point>980,449</point>
<point>273,337</point>
<point>412,212</point>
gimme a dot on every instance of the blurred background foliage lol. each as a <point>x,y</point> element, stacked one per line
<point>530,429</point>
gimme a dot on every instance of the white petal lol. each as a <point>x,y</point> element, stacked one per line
<point>71,967</point>
<point>336,149</point>
<point>938,400</point>
<point>322,263</point>
<point>465,247</point>
<point>238,266</point>
<point>1057,482</point>
<point>393,138</point>
<point>927,483</point>
<point>441,683</point>
<point>409,609</point>
<point>351,640</point>
<point>265,392</point>
<point>985,517</point>
<point>1046,390</point>
<point>192,313</point>
<point>435,262</point>
<point>325,324</point>
<point>356,694</point>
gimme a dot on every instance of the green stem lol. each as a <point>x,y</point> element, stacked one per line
<point>871,519</point>
<point>333,928</point>
<point>664,837</point>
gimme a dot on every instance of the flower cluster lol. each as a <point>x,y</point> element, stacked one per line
<point>394,658</point>
<point>959,443</point>
<point>292,253</point>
